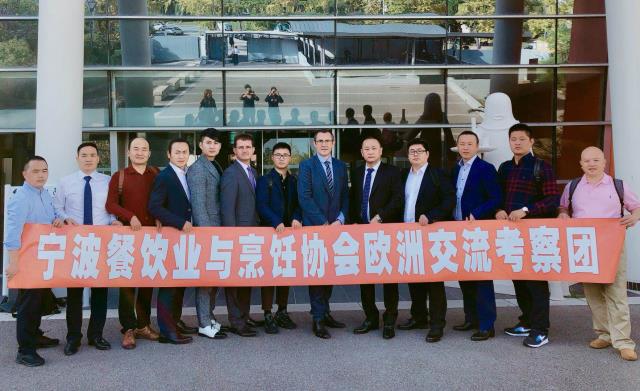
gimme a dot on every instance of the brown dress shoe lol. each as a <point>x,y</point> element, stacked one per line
<point>147,333</point>
<point>628,354</point>
<point>599,344</point>
<point>128,340</point>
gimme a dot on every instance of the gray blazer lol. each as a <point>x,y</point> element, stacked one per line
<point>204,185</point>
<point>238,198</point>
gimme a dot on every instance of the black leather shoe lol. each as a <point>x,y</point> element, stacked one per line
<point>483,335</point>
<point>255,323</point>
<point>244,332</point>
<point>466,326</point>
<point>388,331</point>
<point>412,324</point>
<point>176,339</point>
<point>29,359</point>
<point>100,343</point>
<point>284,320</point>
<point>46,342</point>
<point>71,348</point>
<point>434,335</point>
<point>365,327</point>
<point>220,335</point>
<point>329,321</point>
<point>319,330</point>
<point>270,326</point>
<point>182,328</point>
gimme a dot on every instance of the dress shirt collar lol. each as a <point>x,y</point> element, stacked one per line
<point>31,188</point>
<point>324,159</point>
<point>375,168</point>
<point>177,169</point>
<point>468,163</point>
<point>420,171</point>
<point>244,166</point>
<point>81,175</point>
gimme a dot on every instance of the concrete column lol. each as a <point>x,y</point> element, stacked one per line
<point>623,30</point>
<point>507,44</point>
<point>59,83</point>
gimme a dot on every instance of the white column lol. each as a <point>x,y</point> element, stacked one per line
<point>623,31</point>
<point>59,81</point>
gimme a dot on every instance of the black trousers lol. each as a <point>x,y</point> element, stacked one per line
<point>435,292</point>
<point>282,297</point>
<point>29,309</point>
<point>178,298</point>
<point>238,305</point>
<point>134,311</point>
<point>74,313</point>
<point>391,297</point>
<point>533,300</point>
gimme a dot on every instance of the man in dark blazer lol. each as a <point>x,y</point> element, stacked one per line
<point>323,193</point>
<point>203,179</point>
<point>478,197</point>
<point>429,198</point>
<point>376,197</point>
<point>169,204</point>
<point>277,203</point>
<point>238,208</point>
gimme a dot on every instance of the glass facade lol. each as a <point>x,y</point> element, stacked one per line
<point>403,68</point>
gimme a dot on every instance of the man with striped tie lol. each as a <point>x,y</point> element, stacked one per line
<point>323,193</point>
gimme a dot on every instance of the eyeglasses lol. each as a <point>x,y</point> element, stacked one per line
<point>281,156</point>
<point>417,151</point>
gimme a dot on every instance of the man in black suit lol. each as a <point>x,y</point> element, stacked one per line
<point>429,197</point>
<point>376,197</point>
<point>169,204</point>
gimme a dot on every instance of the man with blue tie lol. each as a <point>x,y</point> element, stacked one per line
<point>478,196</point>
<point>323,193</point>
<point>169,203</point>
<point>376,197</point>
<point>80,200</point>
<point>277,203</point>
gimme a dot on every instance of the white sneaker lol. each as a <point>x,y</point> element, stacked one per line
<point>208,332</point>
<point>215,325</point>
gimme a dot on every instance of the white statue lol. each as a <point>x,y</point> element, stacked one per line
<point>494,129</point>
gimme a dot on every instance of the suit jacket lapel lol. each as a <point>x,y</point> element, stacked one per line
<point>176,180</point>
<point>209,165</point>
<point>376,180</point>
<point>320,166</point>
<point>244,175</point>
<point>470,175</point>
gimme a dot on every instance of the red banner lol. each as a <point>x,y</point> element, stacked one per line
<point>104,256</point>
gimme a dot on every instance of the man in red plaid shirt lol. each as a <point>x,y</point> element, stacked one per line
<point>530,191</point>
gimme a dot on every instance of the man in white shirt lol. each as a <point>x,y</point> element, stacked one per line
<point>80,200</point>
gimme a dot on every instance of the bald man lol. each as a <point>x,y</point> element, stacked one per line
<point>597,195</point>
<point>127,199</point>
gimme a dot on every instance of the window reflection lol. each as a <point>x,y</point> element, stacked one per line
<point>18,43</point>
<point>17,100</point>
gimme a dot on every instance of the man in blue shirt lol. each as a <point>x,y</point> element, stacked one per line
<point>30,204</point>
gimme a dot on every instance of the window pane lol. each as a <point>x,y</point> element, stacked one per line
<point>17,100</point>
<point>274,8</point>
<point>154,7</point>
<point>571,141</point>
<point>19,8</point>
<point>581,6</point>
<point>299,140</point>
<point>18,43</point>
<point>16,149</point>
<point>390,7</point>
<point>402,42</point>
<point>300,98</point>
<point>531,92</point>
<point>581,94</point>
<point>582,41</point>
<point>488,7</point>
<point>95,100</point>
<point>168,98</point>
<point>102,141</point>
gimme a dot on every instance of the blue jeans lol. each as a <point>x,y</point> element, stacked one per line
<point>319,296</point>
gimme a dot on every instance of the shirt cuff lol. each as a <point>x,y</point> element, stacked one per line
<point>340,218</point>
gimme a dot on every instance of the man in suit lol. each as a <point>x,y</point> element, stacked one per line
<point>277,203</point>
<point>238,209</point>
<point>429,198</point>
<point>478,196</point>
<point>323,193</point>
<point>169,204</point>
<point>203,179</point>
<point>376,197</point>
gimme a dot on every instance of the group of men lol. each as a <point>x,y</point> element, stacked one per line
<point>205,195</point>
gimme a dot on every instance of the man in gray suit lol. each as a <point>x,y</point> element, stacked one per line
<point>238,200</point>
<point>203,178</point>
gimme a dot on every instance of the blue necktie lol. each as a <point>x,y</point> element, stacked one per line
<point>88,205</point>
<point>327,167</point>
<point>364,209</point>
<point>252,178</point>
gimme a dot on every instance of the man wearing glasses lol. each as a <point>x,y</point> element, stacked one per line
<point>323,193</point>
<point>429,197</point>
<point>277,204</point>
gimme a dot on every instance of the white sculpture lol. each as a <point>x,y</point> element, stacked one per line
<point>494,129</point>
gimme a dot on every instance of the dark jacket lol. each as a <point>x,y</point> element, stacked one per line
<point>270,199</point>
<point>386,198</point>
<point>168,202</point>
<point>435,202</point>
<point>482,195</point>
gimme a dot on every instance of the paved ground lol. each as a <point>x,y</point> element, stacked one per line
<point>297,360</point>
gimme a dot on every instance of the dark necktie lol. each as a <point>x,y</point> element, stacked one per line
<point>252,179</point>
<point>364,209</point>
<point>327,167</point>
<point>88,202</point>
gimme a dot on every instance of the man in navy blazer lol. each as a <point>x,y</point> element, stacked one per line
<point>277,204</point>
<point>429,198</point>
<point>323,193</point>
<point>478,197</point>
<point>169,203</point>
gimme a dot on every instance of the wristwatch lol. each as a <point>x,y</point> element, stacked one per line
<point>525,210</point>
